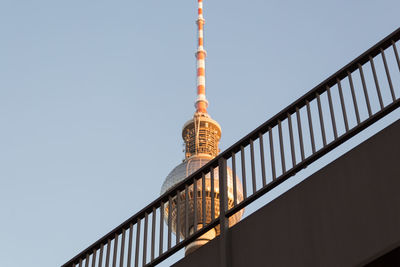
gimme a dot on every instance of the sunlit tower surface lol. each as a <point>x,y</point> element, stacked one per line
<point>201,135</point>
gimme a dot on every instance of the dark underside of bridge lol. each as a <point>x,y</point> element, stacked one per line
<point>346,214</point>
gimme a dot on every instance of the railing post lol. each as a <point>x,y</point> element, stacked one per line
<point>223,207</point>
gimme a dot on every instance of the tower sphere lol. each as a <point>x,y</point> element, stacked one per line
<point>182,171</point>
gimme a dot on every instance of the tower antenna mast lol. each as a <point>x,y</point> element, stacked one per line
<point>201,101</point>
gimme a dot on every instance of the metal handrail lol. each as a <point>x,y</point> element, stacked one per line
<point>301,109</point>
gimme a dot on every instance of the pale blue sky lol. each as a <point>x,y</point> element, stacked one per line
<point>85,139</point>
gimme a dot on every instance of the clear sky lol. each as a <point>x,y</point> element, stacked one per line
<point>94,94</point>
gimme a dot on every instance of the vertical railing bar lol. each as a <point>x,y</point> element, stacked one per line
<point>137,247</point>
<point>281,146</point>
<point>223,206</point>
<point>300,131</point>
<point>94,258</point>
<point>121,257</point>
<point>253,169</point>
<point>388,75</point>
<point>396,54</point>
<point>332,111</point>
<point>80,262</point>
<point>169,221</point>
<point>161,244</point>
<point>346,123</point>
<point>353,95</point>
<point>129,261</point>
<point>378,90</point>
<point>262,157</point>
<point>243,172</point>
<point>186,211</point>
<point>87,260</point>
<point>153,232</point>
<point>212,195</point>
<point>115,250</point>
<point>108,253</point>
<point>365,89</point>
<point>291,139</point>
<point>223,187</point>
<point>178,217</point>
<point>195,219</point>
<point>310,126</point>
<point>101,255</point>
<point>271,149</point>
<point>321,119</point>
<point>203,199</point>
<point>233,155</point>
<point>146,220</point>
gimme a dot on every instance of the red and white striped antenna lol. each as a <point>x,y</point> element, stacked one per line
<point>201,101</point>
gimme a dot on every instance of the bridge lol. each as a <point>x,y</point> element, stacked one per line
<point>346,214</point>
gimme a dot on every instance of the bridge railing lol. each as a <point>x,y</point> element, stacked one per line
<point>337,109</point>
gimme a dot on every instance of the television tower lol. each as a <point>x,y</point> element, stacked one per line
<point>201,135</point>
